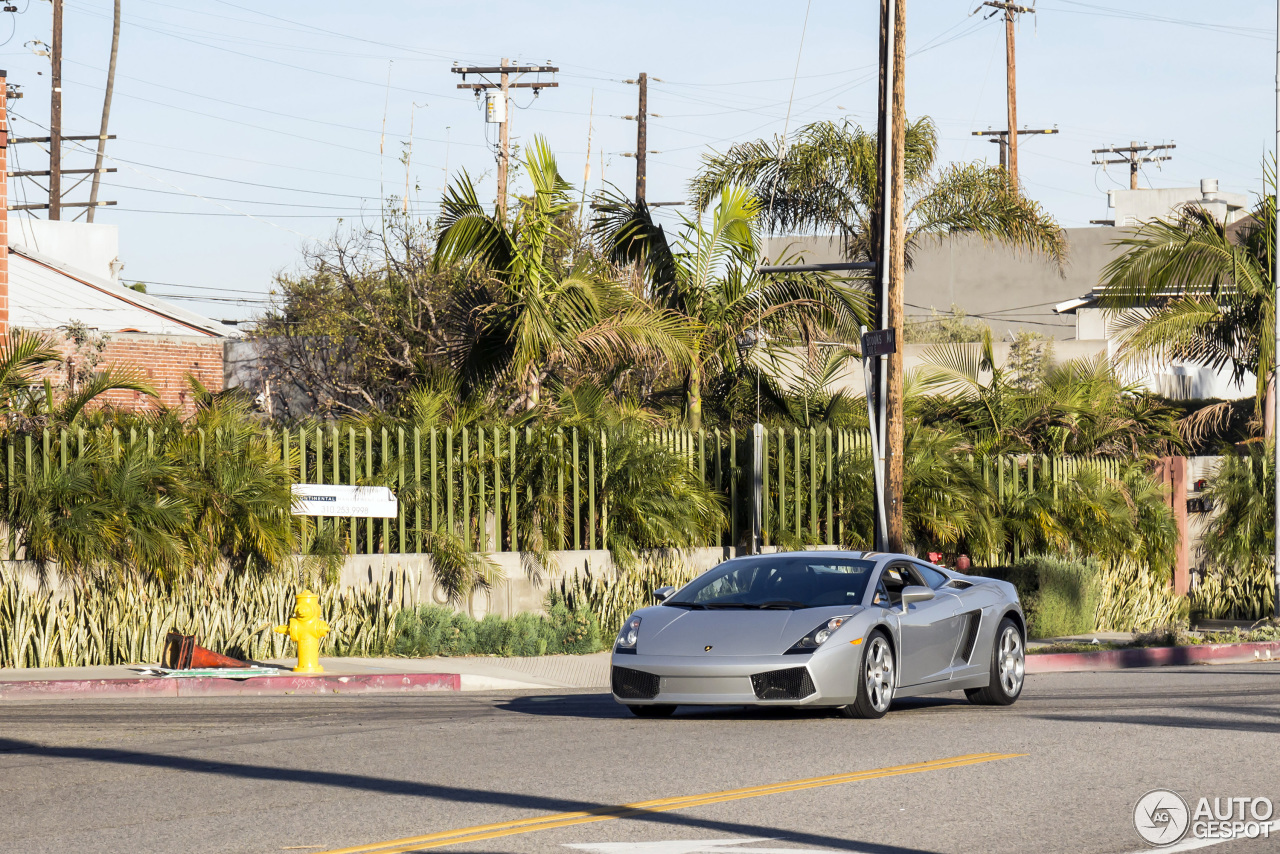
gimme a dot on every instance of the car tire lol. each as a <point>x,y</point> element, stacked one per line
<point>652,711</point>
<point>877,678</point>
<point>1008,668</point>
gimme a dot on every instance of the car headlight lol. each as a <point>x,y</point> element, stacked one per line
<point>629,634</point>
<point>818,636</point>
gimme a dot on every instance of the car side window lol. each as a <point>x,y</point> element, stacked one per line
<point>882,597</point>
<point>893,580</point>
<point>931,576</point>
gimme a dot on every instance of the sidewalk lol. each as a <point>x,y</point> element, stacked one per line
<point>341,675</point>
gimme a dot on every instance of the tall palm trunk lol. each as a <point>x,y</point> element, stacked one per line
<point>694,399</point>
<point>532,388</point>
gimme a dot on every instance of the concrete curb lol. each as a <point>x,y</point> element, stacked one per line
<point>261,686</point>
<point>1156,656</point>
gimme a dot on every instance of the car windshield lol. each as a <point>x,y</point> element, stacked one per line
<point>785,582</point>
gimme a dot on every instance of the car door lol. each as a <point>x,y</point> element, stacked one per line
<point>929,632</point>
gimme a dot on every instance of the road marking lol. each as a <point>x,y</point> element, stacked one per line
<point>482,832</point>
<point>1197,844</point>
<point>690,846</point>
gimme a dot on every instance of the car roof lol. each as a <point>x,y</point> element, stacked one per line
<point>880,558</point>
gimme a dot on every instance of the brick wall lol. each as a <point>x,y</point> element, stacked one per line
<point>164,361</point>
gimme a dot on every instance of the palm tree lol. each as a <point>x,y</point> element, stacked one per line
<point>709,278</point>
<point>236,486</point>
<point>826,181</point>
<point>1193,289</point>
<point>1078,407</point>
<point>535,305</point>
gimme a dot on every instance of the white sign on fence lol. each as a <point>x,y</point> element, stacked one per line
<point>317,499</point>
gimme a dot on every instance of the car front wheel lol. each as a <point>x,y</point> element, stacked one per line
<point>877,679</point>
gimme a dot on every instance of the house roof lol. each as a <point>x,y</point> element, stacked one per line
<point>47,294</point>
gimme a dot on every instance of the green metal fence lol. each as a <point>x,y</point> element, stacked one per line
<point>486,484</point>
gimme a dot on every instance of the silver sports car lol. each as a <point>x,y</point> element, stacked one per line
<point>851,630</point>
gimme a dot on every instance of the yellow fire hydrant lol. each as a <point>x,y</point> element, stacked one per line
<point>305,629</point>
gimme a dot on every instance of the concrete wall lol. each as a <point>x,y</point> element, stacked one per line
<point>1008,290</point>
<point>519,589</point>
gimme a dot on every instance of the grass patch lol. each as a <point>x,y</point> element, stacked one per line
<point>433,630</point>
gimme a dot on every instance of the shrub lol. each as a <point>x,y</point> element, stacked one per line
<point>1066,599</point>
<point>434,630</point>
<point>1059,597</point>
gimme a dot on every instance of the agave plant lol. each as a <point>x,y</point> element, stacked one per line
<point>125,623</point>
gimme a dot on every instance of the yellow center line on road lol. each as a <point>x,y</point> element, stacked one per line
<point>548,822</point>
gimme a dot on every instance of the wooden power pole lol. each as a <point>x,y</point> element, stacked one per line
<point>1134,155</point>
<point>499,109</point>
<point>106,114</point>
<point>642,136</point>
<point>1011,11</point>
<point>55,116</point>
<point>895,435</point>
<point>886,414</point>
<point>642,152</point>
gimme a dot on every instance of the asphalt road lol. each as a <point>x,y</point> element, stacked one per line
<point>313,774</point>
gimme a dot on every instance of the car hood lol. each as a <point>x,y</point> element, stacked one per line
<point>665,630</point>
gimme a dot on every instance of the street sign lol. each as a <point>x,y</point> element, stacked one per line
<point>317,499</point>
<point>881,342</point>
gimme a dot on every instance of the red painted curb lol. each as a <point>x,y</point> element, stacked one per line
<point>1156,656</point>
<point>260,686</point>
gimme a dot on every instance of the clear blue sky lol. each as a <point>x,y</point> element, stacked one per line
<point>276,110</point>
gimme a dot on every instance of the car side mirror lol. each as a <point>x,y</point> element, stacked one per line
<point>663,593</point>
<point>915,593</point>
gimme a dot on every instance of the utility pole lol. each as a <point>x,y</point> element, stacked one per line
<point>642,152</point>
<point>1275,362</point>
<point>1001,136</point>
<point>498,109</point>
<point>1134,155</point>
<point>895,434</point>
<point>55,116</point>
<point>504,139</point>
<point>642,136</point>
<point>106,113</point>
<point>890,223</point>
<point>1011,11</point>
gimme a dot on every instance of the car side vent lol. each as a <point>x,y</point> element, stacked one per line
<point>634,684</point>
<point>970,635</point>
<point>794,683</point>
<point>957,584</point>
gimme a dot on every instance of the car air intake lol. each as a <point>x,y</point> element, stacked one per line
<point>794,683</point>
<point>634,684</point>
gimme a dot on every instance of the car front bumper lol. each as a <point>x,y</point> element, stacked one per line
<point>728,680</point>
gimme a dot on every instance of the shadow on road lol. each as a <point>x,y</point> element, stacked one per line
<point>434,791</point>
<point>1179,722</point>
<point>602,706</point>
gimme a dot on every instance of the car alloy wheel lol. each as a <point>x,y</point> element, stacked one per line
<point>1012,661</point>
<point>879,674</point>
